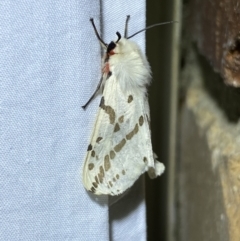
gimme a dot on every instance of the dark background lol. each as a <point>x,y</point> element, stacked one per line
<point>158,49</point>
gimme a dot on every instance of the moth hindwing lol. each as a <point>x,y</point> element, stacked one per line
<point>120,149</point>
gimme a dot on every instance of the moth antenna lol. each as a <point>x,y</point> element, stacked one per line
<point>151,26</point>
<point>126,26</point>
<point>119,36</point>
<point>97,34</point>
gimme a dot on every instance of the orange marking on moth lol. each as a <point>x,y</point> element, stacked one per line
<point>106,68</point>
<point>111,52</point>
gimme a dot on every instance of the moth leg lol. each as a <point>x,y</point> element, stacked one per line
<point>94,94</point>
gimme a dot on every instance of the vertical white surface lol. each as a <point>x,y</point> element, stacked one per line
<point>50,65</point>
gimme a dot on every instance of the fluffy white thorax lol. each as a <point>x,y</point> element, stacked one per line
<point>130,66</point>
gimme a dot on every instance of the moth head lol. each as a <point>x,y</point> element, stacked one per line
<point>120,46</point>
<point>111,47</point>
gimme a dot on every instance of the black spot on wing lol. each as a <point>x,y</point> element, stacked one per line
<point>93,190</point>
<point>99,139</point>
<point>116,127</point>
<point>93,153</point>
<point>109,110</point>
<point>89,147</point>
<point>96,179</point>
<point>141,120</point>
<point>95,184</point>
<point>109,74</point>
<point>121,119</point>
<point>102,102</point>
<point>130,135</point>
<point>90,166</point>
<point>107,164</point>
<point>120,145</point>
<point>112,154</point>
<point>101,174</point>
<point>130,99</point>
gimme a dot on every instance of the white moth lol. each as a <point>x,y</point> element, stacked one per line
<point>120,149</point>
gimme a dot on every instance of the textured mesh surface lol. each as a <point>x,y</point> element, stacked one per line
<point>49,67</point>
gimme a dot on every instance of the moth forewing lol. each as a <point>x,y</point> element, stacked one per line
<point>120,145</point>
